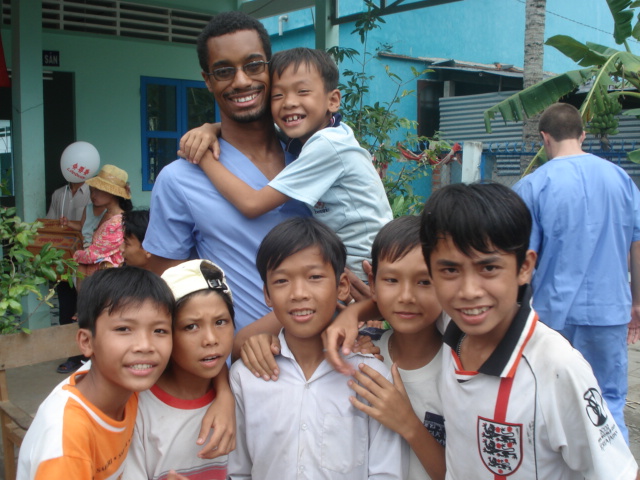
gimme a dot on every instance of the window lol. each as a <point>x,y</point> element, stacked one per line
<point>169,108</point>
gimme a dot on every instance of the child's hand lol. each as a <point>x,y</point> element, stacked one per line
<point>258,355</point>
<point>341,335</point>
<point>364,345</point>
<point>221,417</point>
<point>389,403</point>
<point>196,142</point>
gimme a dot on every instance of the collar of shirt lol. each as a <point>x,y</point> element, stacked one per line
<point>505,358</point>
<point>323,369</point>
<point>294,146</point>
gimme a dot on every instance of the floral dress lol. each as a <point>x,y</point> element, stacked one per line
<point>104,251</point>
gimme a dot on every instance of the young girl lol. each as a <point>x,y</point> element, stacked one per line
<point>169,415</point>
<point>110,190</point>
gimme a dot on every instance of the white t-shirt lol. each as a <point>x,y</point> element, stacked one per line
<point>423,387</point>
<point>165,439</point>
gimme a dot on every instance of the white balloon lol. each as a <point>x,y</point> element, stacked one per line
<point>79,161</point>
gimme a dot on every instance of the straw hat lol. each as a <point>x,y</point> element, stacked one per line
<point>111,179</point>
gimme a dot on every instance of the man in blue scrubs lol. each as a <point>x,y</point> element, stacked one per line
<point>189,217</point>
<point>586,223</point>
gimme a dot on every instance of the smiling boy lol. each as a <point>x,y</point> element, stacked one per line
<point>83,429</point>
<point>303,425</point>
<point>518,400</point>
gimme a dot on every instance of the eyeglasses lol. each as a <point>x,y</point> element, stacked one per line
<point>251,69</point>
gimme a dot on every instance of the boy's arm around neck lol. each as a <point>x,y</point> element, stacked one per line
<point>250,202</point>
<point>221,417</point>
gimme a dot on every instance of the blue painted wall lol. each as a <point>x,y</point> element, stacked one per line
<point>482,31</point>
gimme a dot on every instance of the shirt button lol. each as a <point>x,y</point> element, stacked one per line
<point>304,427</point>
<point>301,468</point>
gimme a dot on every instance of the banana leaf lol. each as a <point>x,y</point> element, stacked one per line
<point>536,98</point>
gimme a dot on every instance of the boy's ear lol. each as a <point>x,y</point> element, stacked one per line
<point>334,100</point>
<point>344,287</point>
<point>372,286</point>
<point>267,299</point>
<point>84,339</point>
<point>527,267</point>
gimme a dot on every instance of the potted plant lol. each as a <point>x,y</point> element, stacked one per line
<point>23,272</point>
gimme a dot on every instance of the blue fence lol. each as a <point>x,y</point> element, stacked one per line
<point>501,161</point>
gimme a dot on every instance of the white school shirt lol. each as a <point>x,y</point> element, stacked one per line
<point>307,429</point>
<point>533,410</point>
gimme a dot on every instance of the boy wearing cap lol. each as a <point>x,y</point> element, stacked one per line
<point>172,410</point>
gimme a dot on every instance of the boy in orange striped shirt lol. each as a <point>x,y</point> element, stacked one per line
<point>83,428</point>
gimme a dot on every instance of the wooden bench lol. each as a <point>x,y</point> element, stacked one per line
<point>21,350</point>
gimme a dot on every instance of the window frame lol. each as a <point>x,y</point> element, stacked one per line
<point>182,117</point>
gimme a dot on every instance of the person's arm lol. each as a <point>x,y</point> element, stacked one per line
<point>251,203</point>
<point>634,268</point>
<point>158,264</point>
<point>268,324</point>
<point>221,417</point>
<point>389,404</point>
<point>106,244</point>
<point>197,141</point>
<point>343,332</point>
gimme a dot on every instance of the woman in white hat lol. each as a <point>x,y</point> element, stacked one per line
<point>109,189</point>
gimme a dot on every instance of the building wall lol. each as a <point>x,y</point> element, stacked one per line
<point>482,31</point>
<point>108,69</point>
<point>107,90</point>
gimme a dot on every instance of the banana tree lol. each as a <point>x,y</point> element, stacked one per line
<point>610,74</point>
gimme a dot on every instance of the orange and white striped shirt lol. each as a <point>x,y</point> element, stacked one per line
<point>72,439</point>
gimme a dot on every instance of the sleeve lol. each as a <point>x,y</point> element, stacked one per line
<point>171,224</point>
<point>524,189</point>
<point>580,425</point>
<point>636,211</point>
<point>308,178</point>
<point>239,465</point>
<point>135,463</point>
<point>54,209</point>
<point>64,468</point>
<point>107,243</point>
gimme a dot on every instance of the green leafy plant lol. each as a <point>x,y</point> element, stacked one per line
<point>23,272</point>
<point>610,74</point>
<point>377,125</point>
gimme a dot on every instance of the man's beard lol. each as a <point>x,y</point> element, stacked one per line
<point>249,117</point>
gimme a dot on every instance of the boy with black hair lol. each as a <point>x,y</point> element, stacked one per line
<point>313,431</point>
<point>518,399</point>
<point>134,224</point>
<point>84,427</point>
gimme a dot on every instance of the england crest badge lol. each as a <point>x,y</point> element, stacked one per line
<point>500,446</point>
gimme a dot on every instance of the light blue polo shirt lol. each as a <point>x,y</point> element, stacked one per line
<point>191,219</point>
<point>586,214</point>
<point>336,178</point>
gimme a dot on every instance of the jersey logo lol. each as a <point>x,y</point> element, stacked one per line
<point>434,423</point>
<point>595,408</point>
<point>500,446</point>
<point>319,208</point>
